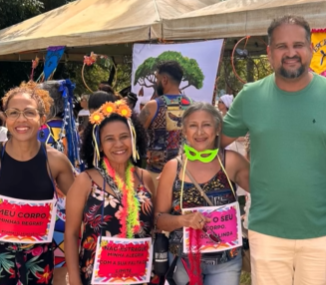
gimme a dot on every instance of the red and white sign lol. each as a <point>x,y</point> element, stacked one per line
<point>122,261</point>
<point>27,221</point>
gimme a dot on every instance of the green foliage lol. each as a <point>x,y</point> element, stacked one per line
<point>123,76</point>
<point>245,278</point>
<point>193,75</point>
<point>53,4</point>
<point>93,75</point>
<point>16,11</point>
<point>146,72</point>
<point>11,13</point>
<point>250,69</point>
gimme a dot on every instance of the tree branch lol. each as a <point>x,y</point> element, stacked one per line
<point>183,88</point>
<point>142,82</point>
<point>149,79</point>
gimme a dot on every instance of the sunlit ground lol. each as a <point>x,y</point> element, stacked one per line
<point>245,279</point>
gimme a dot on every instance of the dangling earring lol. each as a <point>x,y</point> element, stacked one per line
<point>41,134</point>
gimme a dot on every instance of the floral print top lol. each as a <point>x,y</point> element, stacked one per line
<point>94,225</point>
<point>219,192</point>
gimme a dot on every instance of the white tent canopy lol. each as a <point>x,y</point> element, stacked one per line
<point>239,18</point>
<point>95,22</point>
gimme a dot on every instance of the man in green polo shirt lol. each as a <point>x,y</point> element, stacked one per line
<point>285,114</point>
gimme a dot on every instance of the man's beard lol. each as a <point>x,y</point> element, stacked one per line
<point>159,89</point>
<point>292,74</point>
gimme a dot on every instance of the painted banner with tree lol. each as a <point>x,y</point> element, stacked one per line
<point>199,62</point>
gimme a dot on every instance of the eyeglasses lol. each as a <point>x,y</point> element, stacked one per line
<point>27,113</point>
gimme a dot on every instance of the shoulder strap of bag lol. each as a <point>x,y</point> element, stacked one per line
<point>200,190</point>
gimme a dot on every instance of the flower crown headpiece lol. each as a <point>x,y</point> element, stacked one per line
<point>106,110</point>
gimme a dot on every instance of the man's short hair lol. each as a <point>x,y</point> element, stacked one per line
<point>172,68</point>
<point>289,19</point>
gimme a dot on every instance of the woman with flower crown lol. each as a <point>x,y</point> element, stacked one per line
<point>112,198</point>
<point>202,178</point>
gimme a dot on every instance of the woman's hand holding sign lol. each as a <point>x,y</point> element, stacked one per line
<point>194,220</point>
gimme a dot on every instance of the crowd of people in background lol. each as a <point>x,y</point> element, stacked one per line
<point>113,172</point>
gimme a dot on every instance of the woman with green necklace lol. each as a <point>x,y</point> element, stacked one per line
<point>202,176</point>
<point>111,200</point>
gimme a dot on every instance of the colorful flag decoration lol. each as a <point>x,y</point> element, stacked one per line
<point>52,60</point>
<point>318,62</point>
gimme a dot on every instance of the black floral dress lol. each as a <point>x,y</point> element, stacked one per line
<point>94,225</point>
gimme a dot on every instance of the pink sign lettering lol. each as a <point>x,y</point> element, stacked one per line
<point>221,233</point>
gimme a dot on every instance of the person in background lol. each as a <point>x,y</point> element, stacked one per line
<point>29,171</point>
<point>224,103</point>
<point>83,114</point>
<point>3,129</point>
<point>285,116</point>
<point>60,133</point>
<point>50,132</point>
<point>131,99</point>
<point>104,86</point>
<point>98,98</point>
<point>162,118</point>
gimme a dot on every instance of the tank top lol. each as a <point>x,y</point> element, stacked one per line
<point>165,130</point>
<point>219,192</point>
<point>27,180</point>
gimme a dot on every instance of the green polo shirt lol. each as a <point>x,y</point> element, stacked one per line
<point>287,155</point>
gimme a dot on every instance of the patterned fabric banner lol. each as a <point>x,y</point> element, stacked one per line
<point>318,62</point>
<point>199,60</point>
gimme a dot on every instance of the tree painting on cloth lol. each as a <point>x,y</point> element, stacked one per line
<point>199,62</point>
<point>193,75</point>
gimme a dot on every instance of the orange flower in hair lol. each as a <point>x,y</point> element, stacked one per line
<point>108,108</point>
<point>124,111</point>
<point>96,118</point>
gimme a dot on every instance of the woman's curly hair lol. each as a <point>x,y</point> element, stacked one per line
<point>42,97</point>
<point>87,148</point>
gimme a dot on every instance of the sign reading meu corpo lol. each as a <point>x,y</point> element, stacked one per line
<point>26,221</point>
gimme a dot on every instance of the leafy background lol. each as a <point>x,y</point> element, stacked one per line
<point>13,73</point>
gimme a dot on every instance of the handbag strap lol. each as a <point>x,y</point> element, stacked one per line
<point>200,190</point>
